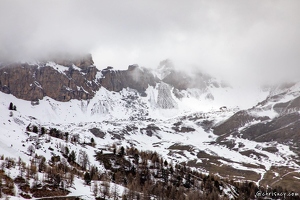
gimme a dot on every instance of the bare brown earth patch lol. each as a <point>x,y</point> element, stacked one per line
<point>282,177</point>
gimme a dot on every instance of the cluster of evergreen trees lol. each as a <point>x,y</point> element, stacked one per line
<point>145,174</point>
<point>12,107</point>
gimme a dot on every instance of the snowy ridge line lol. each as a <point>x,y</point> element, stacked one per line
<point>180,134</point>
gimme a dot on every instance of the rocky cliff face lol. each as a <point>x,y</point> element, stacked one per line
<point>33,82</point>
<point>135,77</point>
<point>64,79</point>
<point>75,77</point>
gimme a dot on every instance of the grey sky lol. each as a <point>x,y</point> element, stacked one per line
<point>236,39</point>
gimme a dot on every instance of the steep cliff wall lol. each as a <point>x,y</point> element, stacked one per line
<point>135,78</point>
<point>65,79</point>
<point>33,82</point>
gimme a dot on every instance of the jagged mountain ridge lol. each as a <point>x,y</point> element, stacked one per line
<point>68,79</point>
<point>276,118</point>
<point>149,113</point>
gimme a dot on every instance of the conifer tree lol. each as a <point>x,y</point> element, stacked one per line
<point>122,151</point>
<point>35,129</point>
<point>72,157</point>
<point>87,178</point>
<point>95,189</point>
<point>1,187</point>
<point>115,192</point>
<point>43,130</point>
<point>105,190</point>
<point>83,159</point>
<point>11,106</point>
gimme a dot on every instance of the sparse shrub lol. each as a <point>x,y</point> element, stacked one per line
<point>51,149</point>
<point>72,157</point>
<point>28,128</point>
<point>42,164</point>
<point>55,159</point>
<point>43,130</point>
<point>9,163</point>
<point>35,129</point>
<point>93,142</point>
<point>31,150</point>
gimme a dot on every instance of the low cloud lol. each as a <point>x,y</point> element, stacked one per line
<point>252,41</point>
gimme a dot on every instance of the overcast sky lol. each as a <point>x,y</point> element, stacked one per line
<point>245,39</point>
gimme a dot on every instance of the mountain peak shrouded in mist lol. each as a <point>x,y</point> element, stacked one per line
<point>79,60</point>
<point>69,76</point>
<point>249,42</point>
<point>74,122</point>
<point>66,77</point>
<point>164,68</point>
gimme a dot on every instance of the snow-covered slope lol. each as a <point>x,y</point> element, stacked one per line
<point>113,112</point>
<point>207,128</point>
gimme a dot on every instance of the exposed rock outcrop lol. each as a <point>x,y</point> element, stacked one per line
<point>64,79</point>
<point>135,78</point>
<point>237,121</point>
<point>33,82</point>
<point>67,77</point>
<point>288,107</point>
